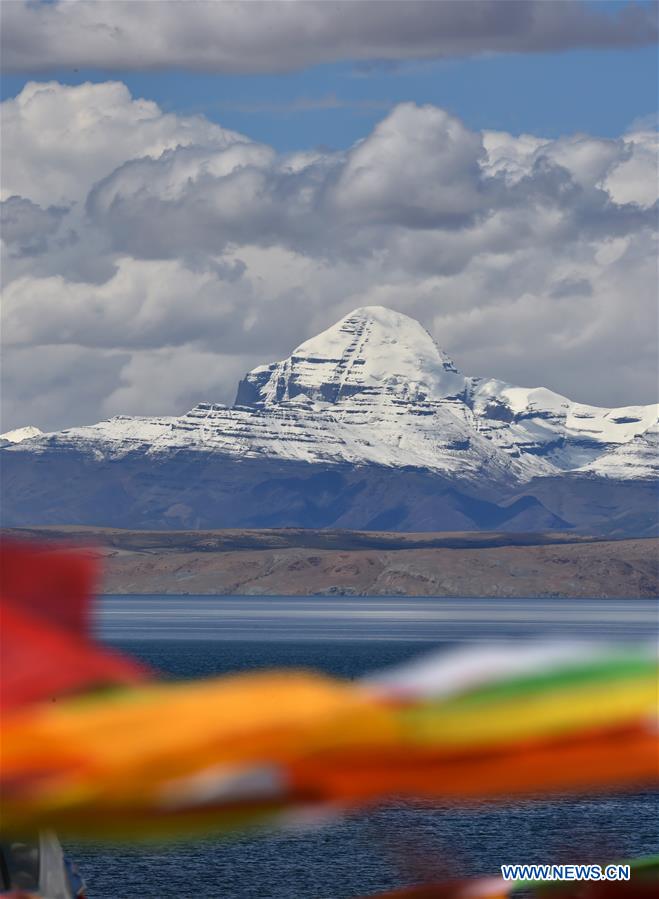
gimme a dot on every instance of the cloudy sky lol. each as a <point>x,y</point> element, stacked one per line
<point>190,189</point>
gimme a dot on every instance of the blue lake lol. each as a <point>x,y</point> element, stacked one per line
<point>194,636</point>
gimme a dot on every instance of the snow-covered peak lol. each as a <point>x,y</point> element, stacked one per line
<point>371,349</point>
<point>20,434</point>
<point>388,343</point>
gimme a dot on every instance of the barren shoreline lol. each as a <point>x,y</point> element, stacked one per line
<point>297,562</point>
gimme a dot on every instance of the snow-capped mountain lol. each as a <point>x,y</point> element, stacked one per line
<point>20,434</point>
<point>376,367</point>
<point>373,392</point>
<point>376,388</point>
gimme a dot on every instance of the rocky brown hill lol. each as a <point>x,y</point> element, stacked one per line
<point>315,562</point>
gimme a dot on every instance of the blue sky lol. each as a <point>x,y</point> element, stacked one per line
<point>594,91</point>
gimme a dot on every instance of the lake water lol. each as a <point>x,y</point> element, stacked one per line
<point>291,618</point>
<point>195,636</point>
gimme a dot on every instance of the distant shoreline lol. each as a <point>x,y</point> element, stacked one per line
<point>299,562</point>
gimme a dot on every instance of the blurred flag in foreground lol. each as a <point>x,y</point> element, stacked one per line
<point>148,758</point>
<point>45,650</point>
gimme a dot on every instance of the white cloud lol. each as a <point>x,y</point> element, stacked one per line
<point>167,253</point>
<point>635,179</point>
<point>144,304</point>
<point>57,142</point>
<point>57,385</point>
<point>510,155</point>
<point>26,226</point>
<point>174,379</point>
<point>419,167</point>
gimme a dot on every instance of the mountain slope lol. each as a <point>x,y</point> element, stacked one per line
<point>637,459</point>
